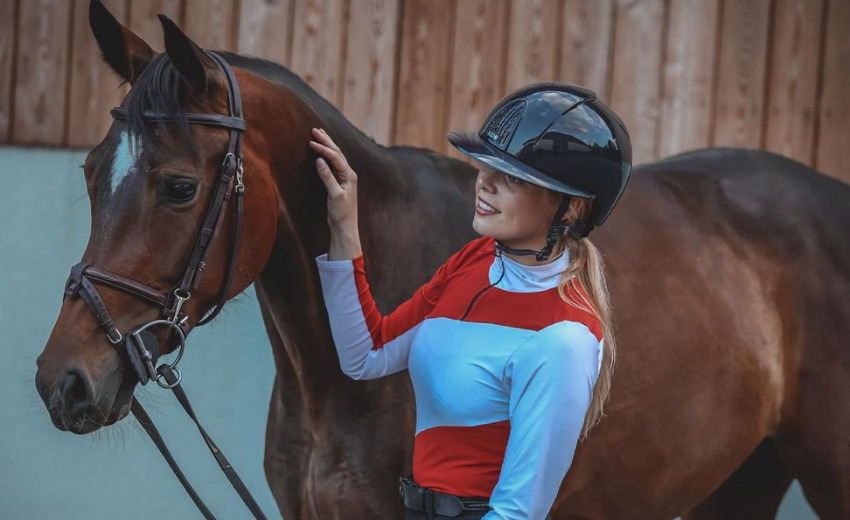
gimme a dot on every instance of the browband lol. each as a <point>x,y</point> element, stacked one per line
<point>219,120</point>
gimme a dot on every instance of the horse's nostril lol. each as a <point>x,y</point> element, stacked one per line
<point>76,397</point>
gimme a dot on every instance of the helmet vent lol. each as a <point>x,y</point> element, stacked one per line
<point>501,127</point>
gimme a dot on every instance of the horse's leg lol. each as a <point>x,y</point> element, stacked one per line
<point>813,437</point>
<point>816,446</point>
<point>753,492</point>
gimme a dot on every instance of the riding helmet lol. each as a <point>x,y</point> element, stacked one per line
<point>557,136</point>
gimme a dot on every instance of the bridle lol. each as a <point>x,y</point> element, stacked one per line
<point>141,346</point>
<point>84,276</point>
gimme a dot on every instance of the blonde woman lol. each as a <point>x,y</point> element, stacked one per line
<point>509,346</point>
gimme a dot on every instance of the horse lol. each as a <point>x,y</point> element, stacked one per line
<point>728,268</point>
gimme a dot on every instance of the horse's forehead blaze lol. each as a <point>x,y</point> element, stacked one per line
<point>125,160</point>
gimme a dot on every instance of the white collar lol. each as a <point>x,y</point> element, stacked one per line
<point>528,278</point>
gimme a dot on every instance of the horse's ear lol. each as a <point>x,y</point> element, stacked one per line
<point>122,50</point>
<point>190,61</point>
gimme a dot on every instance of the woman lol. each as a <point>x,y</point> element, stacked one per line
<point>505,343</point>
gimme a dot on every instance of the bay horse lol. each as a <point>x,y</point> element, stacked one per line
<point>730,271</point>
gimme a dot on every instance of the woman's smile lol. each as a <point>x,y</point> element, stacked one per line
<point>484,209</point>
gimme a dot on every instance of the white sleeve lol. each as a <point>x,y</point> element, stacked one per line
<point>369,345</point>
<point>550,379</point>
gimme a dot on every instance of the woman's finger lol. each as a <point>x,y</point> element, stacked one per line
<point>328,178</point>
<point>337,160</point>
<point>324,138</point>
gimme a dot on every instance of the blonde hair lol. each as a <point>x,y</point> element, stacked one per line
<point>583,286</point>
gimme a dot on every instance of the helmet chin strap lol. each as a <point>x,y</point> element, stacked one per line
<point>556,229</point>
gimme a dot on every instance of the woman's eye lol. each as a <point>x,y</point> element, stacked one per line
<point>178,190</point>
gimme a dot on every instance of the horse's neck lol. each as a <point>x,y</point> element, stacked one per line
<point>288,287</point>
<point>402,251</point>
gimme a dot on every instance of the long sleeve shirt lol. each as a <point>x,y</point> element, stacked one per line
<point>502,378</point>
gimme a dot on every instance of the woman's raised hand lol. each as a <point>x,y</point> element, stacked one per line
<point>341,183</point>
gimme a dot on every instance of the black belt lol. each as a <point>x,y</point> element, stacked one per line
<point>432,502</point>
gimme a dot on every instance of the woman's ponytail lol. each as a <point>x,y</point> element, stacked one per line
<point>583,286</point>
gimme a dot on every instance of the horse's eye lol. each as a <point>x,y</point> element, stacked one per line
<point>177,190</point>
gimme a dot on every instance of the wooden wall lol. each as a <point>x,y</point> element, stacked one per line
<point>683,74</point>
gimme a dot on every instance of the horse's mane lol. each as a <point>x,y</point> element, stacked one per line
<point>162,89</point>
<point>159,88</point>
<point>277,73</point>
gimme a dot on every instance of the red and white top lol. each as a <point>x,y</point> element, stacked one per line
<point>502,388</point>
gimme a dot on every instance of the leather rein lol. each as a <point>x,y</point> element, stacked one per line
<point>140,345</point>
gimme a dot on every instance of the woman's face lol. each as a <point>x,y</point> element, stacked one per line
<point>512,211</point>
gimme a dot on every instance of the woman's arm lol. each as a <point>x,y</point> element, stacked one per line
<point>369,345</point>
<point>550,379</point>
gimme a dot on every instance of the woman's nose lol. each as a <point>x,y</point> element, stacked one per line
<point>486,180</point>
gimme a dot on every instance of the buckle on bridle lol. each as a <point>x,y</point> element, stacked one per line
<point>174,315</point>
<point>240,186</point>
<point>114,336</point>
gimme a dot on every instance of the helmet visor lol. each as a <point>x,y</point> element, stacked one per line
<point>471,145</point>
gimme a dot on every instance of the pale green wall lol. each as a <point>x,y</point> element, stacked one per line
<point>116,473</point>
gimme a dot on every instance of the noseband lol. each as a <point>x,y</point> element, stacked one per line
<point>140,344</point>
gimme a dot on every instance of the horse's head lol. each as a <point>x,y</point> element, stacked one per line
<point>150,185</point>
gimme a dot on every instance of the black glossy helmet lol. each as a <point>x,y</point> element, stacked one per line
<point>560,137</point>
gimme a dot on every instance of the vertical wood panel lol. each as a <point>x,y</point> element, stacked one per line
<point>94,88</point>
<point>586,44</point>
<point>423,73</point>
<point>317,47</point>
<point>742,69</point>
<point>143,20</point>
<point>265,29</point>
<point>834,109</point>
<point>211,23</point>
<point>478,64</point>
<point>637,64</point>
<point>7,53</point>
<point>370,66</point>
<point>793,81</point>
<point>41,71</point>
<point>686,106</point>
<point>533,42</point>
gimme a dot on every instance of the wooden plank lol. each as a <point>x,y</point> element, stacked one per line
<point>532,44</point>
<point>211,23</point>
<point>635,93</point>
<point>478,66</point>
<point>793,82</point>
<point>586,45</point>
<point>741,74</point>
<point>834,107</point>
<point>8,10</point>
<point>143,20</point>
<point>371,66</point>
<point>686,104</point>
<point>265,29</point>
<point>94,87</point>
<point>317,47</point>
<point>422,84</point>
<point>41,72</point>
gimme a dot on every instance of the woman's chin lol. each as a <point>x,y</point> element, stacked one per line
<point>485,229</point>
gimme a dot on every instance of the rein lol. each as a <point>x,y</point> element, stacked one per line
<point>140,345</point>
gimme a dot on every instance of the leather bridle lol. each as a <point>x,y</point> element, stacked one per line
<point>141,346</point>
